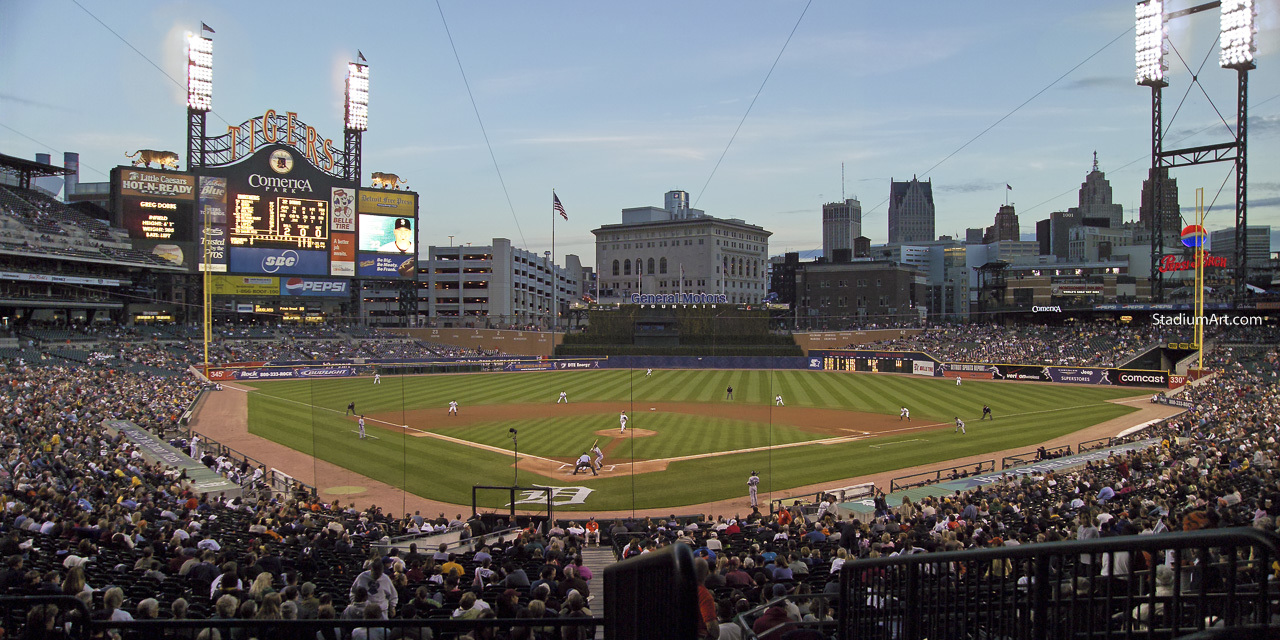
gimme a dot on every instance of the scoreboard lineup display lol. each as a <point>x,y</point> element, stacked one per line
<point>280,222</point>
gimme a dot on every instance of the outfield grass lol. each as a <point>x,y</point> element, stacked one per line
<point>307,415</point>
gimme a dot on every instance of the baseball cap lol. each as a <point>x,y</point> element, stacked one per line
<point>403,223</point>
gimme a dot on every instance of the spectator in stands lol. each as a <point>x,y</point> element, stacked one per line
<point>378,588</point>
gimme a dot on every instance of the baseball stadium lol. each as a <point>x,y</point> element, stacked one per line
<point>252,393</point>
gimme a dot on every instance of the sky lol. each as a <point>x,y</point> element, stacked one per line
<point>614,104</point>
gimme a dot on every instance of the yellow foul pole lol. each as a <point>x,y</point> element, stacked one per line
<point>1199,310</point>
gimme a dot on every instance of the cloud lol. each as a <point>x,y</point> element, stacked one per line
<point>1262,126</point>
<point>1265,187</point>
<point>1264,202</point>
<point>1098,82</point>
<point>973,186</point>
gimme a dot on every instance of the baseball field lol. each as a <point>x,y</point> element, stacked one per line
<point>686,442</point>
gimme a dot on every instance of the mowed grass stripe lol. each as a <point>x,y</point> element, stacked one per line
<point>445,471</point>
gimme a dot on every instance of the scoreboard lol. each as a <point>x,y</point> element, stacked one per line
<point>153,219</point>
<point>278,222</point>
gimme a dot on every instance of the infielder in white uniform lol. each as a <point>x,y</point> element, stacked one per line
<point>779,400</point>
<point>752,483</point>
<point>377,378</point>
<point>648,373</point>
<point>957,381</point>
<point>453,407</point>
<point>362,427</point>
<point>564,397</point>
<point>622,419</point>
<point>904,414</point>
<point>960,425</point>
<point>599,461</point>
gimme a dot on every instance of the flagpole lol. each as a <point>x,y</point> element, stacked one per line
<point>555,309</point>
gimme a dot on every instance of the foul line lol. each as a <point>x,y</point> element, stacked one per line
<point>889,444</point>
<point>424,433</point>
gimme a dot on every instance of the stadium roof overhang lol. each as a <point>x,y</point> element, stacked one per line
<point>25,170</point>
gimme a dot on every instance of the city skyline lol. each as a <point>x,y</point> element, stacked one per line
<point>614,106</point>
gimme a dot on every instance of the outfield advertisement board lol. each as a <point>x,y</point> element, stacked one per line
<point>1077,375</point>
<point>221,285</point>
<point>277,373</point>
<point>374,265</point>
<point>290,262</point>
<point>314,287</point>
<point>921,364</point>
<point>1173,402</point>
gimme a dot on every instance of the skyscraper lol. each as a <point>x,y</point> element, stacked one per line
<point>1006,226</point>
<point>841,223</point>
<point>910,211</point>
<point>1170,215</point>
<point>1095,197</point>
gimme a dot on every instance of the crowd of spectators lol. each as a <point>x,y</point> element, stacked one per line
<point>86,515</point>
<point>1214,466</point>
<point>1078,344</point>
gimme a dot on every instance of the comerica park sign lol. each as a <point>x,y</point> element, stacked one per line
<point>679,298</point>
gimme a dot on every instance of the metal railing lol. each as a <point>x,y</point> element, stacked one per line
<point>1150,586</point>
<point>926,478</point>
<point>1019,459</point>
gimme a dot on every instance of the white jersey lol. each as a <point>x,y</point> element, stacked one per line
<point>622,419</point>
<point>453,406</point>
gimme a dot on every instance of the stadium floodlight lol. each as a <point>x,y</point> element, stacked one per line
<point>357,114</point>
<point>199,72</point>
<point>1238,31</point>
<point>1149,42</point>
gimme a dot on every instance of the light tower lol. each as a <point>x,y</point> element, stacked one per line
<point>199,94</point>
<point>1236,39</point>
<point>356,117</point>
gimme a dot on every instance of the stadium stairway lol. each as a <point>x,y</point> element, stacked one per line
<point>596,559</point>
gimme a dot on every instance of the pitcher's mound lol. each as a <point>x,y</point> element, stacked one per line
<point>639,433</point>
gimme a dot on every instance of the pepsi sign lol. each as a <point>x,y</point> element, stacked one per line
<point>313,287</point>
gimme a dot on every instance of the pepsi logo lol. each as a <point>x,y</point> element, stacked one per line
<point>302,286</point>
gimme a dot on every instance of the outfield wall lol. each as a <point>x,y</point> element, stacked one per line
<point>922,364</point>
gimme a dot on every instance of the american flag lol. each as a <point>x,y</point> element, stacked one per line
<point>557,207</point>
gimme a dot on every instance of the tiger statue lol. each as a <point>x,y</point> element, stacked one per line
<point>147,156</point>
<point>387,180</point>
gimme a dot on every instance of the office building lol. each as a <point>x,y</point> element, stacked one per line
<point>1095,198</point>
<point>676,249</point>
<point>1257,245</point>
<point>911,211</point>
<point>841,223</point>
<point>1005,227</point>
<point>1170,214</point>
<point>843,295</point>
